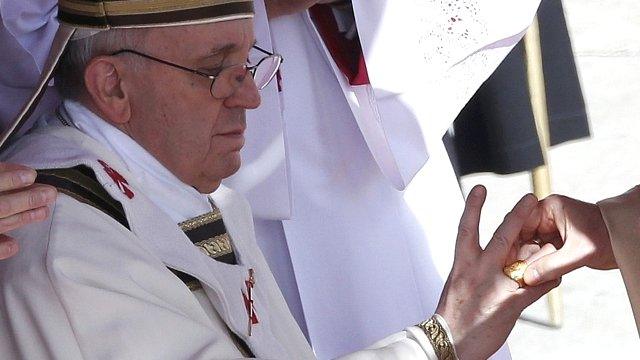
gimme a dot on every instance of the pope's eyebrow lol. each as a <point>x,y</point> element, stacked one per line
<point>224,49</point>
<point>219,50</point>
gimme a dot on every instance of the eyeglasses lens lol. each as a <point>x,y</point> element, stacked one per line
<point>266,70</point>
<point>231,78</point>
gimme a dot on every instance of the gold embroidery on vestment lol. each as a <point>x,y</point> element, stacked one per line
<point>439,339</point>
<point>201,220</point>
<point>216,246</point>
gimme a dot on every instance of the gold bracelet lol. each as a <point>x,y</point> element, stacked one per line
<point>439,339</point>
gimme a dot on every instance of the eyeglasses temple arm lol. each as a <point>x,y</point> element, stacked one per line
<point>262,50</point>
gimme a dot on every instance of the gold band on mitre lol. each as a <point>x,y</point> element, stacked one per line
<point>78,17</point>
<point>108,14</point>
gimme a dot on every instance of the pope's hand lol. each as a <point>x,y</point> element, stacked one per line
<point>479,302</point>
<point>577,230</point>
<point>277,8</point>
<point>21,202</point>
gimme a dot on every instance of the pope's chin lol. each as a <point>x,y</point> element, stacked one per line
<point>211,178</point>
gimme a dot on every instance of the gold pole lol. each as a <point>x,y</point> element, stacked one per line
<point>540,175</point>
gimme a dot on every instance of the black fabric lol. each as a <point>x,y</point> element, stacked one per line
<point>495,132</point>
<point>228,258</point>
<point>206,231</point>
<point>565,102</point>
<point>80,183</point>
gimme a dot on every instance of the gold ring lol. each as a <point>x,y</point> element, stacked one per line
<point>516,271</point>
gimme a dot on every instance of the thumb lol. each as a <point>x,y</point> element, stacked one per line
<point>551,267</point>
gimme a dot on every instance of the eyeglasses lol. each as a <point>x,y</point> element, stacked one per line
<point>230,78</point>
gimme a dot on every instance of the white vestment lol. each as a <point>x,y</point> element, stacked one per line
<point>85,286</point>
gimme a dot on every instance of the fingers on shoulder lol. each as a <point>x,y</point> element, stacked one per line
<point>34,197</point>
<point>8,247</point>
<point>14,177</point>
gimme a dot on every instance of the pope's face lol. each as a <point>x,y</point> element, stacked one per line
<point>174,116</point>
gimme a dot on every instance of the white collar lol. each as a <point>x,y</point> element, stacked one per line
<point>177,199</point>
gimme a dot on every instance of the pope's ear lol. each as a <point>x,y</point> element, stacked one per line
<point>104,85</point>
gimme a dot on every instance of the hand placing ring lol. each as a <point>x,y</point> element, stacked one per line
<point>477,295</point>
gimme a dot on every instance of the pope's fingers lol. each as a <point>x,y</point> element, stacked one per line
<point>551,266</point>
<point>8,247</point>
<point>31,198</point>
<point>467,243</point>
<point>508,232</point>
<point>14,177</point>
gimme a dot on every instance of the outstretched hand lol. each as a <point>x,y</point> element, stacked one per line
<point>21,202</point>
<point>480,303</point>
<point>573,234</point>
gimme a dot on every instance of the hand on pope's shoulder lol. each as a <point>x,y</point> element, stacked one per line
<point>21,202</point>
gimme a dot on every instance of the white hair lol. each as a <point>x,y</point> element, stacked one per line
<point>69,76</point>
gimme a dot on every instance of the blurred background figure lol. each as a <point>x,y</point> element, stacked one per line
<point>496,131</point>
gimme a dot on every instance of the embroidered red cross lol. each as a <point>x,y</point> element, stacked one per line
<point>122,183</point>
<point>248,301</point>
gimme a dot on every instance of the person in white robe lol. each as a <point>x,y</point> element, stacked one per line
<point>159,136</point>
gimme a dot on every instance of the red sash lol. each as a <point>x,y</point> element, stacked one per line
<point>346,53</point>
